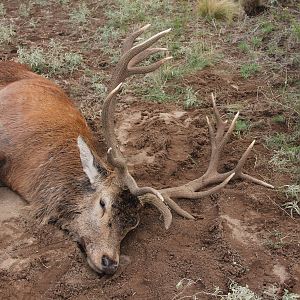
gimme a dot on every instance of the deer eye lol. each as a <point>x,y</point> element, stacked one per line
<point>102,204</point>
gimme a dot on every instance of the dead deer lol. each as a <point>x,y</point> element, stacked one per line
<point>48,155</point>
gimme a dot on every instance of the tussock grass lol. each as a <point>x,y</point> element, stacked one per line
<point>224,10</point>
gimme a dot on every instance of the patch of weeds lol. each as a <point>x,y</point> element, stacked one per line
<point>275,240</point>
<point>236,292</point>
<point>296,29</point>
<point>285,157</point>
<point>52,61</point>
<point>256,42</point>
<point>290,296</point>
<point>279,119</point>
<point>63,2</point>
<point>241,127</point>
<point>197,55</point>
<point>98,86</point>
<point>277,141</point>
<point>273,49</point>
<point>224,10</point>
<point>24,9</point>
<point>80,14</point>
<point>6,33</point>
<point>286,150</point>
<point>244,47</point>
<point>40,2</point>
<point>267,28</point>
<point>292,192</point>
<point>154,88</point>
<point>35,58</point>
<point>248,70</point>
<point>190,98</point>
<point>127,12</point>
<point>240,292</point>
<point>2,10</point>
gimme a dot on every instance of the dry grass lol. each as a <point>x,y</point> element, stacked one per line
<point>218,9</point>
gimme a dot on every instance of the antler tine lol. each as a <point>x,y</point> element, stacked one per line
<point>167,215</point>
<point>125,68</point>
<point>108,111</point>
<point>135,54</point>
<point>128,42</point>
<point>191,190</point>
<point>143,55</point>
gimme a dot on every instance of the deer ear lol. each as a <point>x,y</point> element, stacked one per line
<point>87,160</point>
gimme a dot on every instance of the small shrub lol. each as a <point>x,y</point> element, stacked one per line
<point>218,9</point>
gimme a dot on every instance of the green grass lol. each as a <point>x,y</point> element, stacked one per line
<point>244,47</point>
<point>296,30</point>
<point>241,126</point>
<point>248,70</point>
<point>286,151</point>
<point>80,14</point>
<point>279,119</point>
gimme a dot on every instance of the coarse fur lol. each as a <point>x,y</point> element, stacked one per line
<point>64,181</point>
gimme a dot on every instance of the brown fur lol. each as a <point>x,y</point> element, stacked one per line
<point>40,160</point>
<point>42,141</point>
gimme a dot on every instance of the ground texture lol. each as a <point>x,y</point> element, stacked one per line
<point>240,234</point>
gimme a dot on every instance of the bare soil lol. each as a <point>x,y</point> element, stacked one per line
<point>240,234</point>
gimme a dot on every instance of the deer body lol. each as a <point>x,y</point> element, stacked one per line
<point>38,133</point>
<point>48,155</point>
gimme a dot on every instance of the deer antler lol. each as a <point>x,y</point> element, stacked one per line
<point>127,66</point>
<point>191,190</point>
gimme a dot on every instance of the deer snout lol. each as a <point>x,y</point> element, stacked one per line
<point>108,265</point>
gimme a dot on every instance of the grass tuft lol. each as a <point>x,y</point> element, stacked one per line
<point>224,10</point>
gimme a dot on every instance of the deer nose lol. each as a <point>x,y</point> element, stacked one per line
<point>109,266</point>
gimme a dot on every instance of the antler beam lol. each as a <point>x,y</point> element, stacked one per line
<point>127,66</point>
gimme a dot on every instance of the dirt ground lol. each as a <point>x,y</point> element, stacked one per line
<point>241,234</point>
